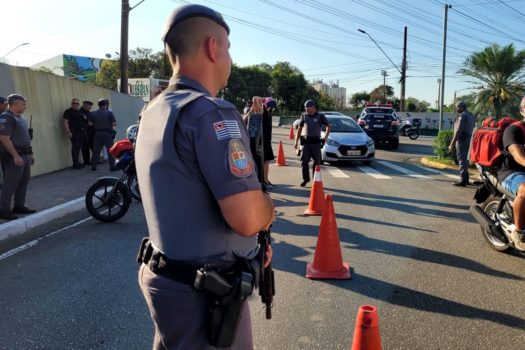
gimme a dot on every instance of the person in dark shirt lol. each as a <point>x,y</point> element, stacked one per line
<point>512,176</point>
<point>75,130</point>
<point>104,123</point>
<point>269,105</point>
<point>87,140</point>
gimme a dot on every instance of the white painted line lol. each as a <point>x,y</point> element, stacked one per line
<point>402,170</point>
<point>19,226</point>
<point>431,170</point>
<point>372,172</point>
<point>35,242</point>
<point>338,173</point>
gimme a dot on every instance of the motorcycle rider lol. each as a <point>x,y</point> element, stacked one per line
<point>512,176</point>
<point>408,123</point>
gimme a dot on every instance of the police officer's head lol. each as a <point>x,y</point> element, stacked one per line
<point>75,103</point>
<point>310,106</point>
<point>461,107</point>
<point>87,105</point>
<point>197,41</point>
<point>17,103</point>
<point>103,103</point>
<point>3,104</point>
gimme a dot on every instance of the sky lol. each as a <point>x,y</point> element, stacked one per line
<point>320,38</point>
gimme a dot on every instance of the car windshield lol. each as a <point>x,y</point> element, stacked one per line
<point>343,125</point>
<point>380,110</point>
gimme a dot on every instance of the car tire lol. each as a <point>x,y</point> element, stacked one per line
<point>394,144</point>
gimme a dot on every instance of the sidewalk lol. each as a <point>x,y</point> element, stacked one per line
<point>54,195</point>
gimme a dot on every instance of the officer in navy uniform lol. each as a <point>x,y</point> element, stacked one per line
<point>310,137</point>
<point>202,200</point>
<point>104,123</point>
<point>17,158</point>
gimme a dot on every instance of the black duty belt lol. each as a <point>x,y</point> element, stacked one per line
<point>23,150</point>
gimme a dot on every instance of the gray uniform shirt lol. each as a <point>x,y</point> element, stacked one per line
<point>464,125</point>
<point>102,120</point>
<point>313,124</point>
<point>17,128</point>
<point>189,155</point>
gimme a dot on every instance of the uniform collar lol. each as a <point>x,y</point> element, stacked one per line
<point>11,113</point>
<point>188,82</point>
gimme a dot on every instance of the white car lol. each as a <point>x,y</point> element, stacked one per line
<point>347,142</point>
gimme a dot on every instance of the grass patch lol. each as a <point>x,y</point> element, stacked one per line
<point>446,161</point>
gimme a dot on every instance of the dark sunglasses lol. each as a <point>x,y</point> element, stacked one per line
<point>75,103</point>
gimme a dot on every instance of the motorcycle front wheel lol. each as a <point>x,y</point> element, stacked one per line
<point>489,207</point>
<point>107,205</point>
<point>413,134</point>
<point>133,185</point>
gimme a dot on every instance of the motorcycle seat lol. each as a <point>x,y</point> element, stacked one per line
<point>493,178</point>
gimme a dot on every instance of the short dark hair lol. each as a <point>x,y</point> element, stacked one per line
<point>15,97</point>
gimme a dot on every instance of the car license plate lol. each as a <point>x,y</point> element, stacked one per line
<point>353,153</point>
<point>377,125</point>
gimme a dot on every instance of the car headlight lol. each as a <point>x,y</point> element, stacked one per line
<point>332,142</point>
<point>370,143</point>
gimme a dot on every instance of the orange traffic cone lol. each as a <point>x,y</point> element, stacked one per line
<point>328,262</point>
<point>280,155</point>
<point>366,335</point>
<point>291,136</point>
<point>316,204</point>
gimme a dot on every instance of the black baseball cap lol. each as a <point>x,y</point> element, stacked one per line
<point>184,12</point>
<point>3,100</point>
<point>310,103</point>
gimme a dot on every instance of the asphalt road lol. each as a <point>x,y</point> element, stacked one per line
<point>414,251</point>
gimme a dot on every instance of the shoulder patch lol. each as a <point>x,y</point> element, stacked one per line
<point>227,129</point>
<point>239,160</point>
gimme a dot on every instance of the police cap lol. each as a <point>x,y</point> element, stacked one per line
<point>102,102</point>
<point>310,103</point>
<point>87,102</point>
<point>461,104</point>
<point>3,100</point>
<point>184,12</point>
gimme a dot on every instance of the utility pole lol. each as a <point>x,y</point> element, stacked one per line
<point>439,93</point>
<point>442,89</point>
<point>124,25</point>
<point>384,74</point>
<point>403,73</point>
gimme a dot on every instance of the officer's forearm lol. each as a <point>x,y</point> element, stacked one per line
<point>8,145</point>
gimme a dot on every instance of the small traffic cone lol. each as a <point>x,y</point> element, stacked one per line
<point>291,136</point>
<point>280,155</point>
<point>366,335</point>
<point>328,262</point>
<point>316,204</point>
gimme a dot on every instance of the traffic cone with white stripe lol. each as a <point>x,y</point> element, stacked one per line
<point>316,204</point>
<point>280,155</point>
<point>328,261</point>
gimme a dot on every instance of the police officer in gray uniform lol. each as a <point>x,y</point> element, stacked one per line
<point>310,137</point>
<point>463,128</point>
<point>104,123</point>
<point>16,156</point>
<point>202,200</point>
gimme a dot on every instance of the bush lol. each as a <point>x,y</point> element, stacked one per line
<point>441,143</point>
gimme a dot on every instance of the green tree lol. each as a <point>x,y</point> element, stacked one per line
<point>415,105</point>
<point>358,99</point>
<point>289,86</point>
<point>325,102</point>
<point>108,74</point>
<point>501,71</point>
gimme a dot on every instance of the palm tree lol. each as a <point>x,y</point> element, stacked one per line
<point>500,70</point>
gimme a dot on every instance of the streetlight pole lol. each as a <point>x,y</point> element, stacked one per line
<point>443,66</point>
<point>4,56</point>
<point>124,25</point>
<point>384,74</point>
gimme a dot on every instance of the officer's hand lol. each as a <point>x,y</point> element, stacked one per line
<point>32,160</point>
<point>269,255</point>
<point>18,160</point>
<point>69,135</point>
<point>450,148</point>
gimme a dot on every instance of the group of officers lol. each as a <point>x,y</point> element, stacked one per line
<point>89,132</point>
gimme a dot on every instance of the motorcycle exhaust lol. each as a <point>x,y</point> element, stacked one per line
<point>484,220</point>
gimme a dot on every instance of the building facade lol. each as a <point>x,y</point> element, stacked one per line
<point>337,93</point>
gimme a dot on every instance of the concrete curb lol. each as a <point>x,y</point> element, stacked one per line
<point>427,162</point>
<point>21,225</point>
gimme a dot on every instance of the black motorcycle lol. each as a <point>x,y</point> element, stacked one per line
<point>494,211</point>
<point>412,131</point>
<point>109,198</point>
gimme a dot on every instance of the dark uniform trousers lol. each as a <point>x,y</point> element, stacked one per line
<point>76,145</point>
<point>85,148</point>
<point>16,179</point>
<point>310,150</point>
<point>182,311</point>
<point>101,139</point>
<point>462,148</point>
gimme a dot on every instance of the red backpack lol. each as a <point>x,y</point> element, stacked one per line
<point>487,142</point>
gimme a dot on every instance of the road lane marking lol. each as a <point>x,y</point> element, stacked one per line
<point>374,173</point>
<point>338,173</point>
<point>451,176</point>
<point>36,241</point>
<point>403,170</point>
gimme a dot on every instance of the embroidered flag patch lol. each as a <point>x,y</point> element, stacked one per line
<point>227,129</point>
<point>240,161</point>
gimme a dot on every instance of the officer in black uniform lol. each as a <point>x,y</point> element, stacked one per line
<point>309,135</point>
<point>75,130</point>
<point>17,158</point>
<point>202,199</point>
<point>87,140</point>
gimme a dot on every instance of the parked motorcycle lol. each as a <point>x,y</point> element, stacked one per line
<point>494,211</point>
<point>109,198</point>
<point>412,131</point>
